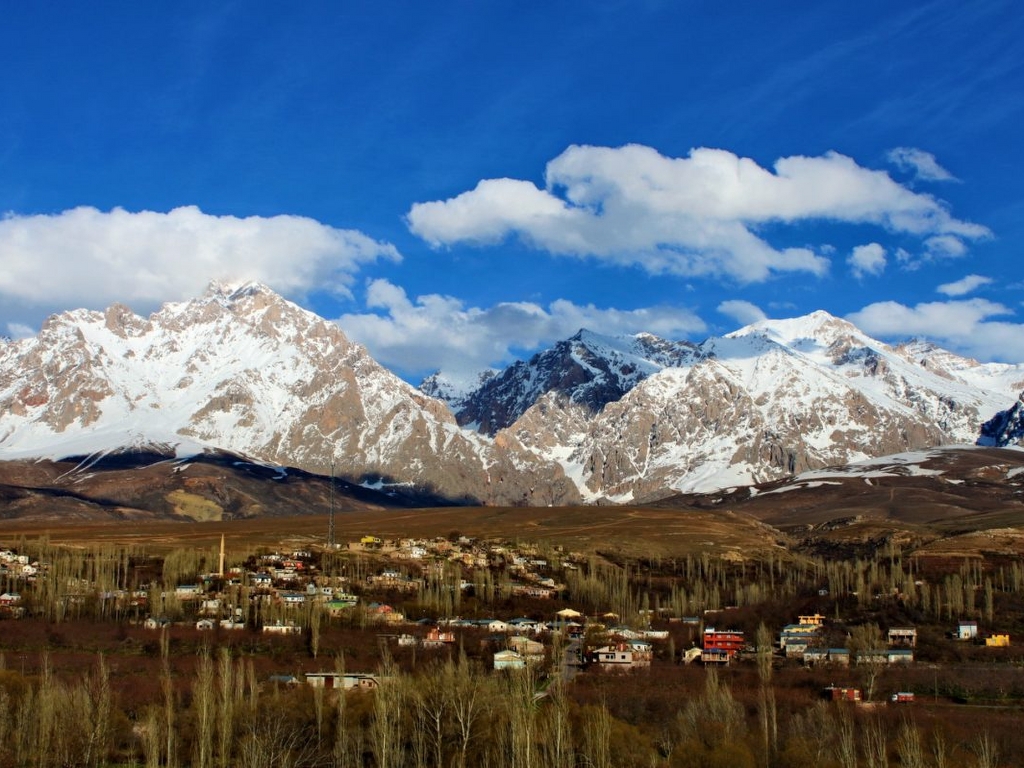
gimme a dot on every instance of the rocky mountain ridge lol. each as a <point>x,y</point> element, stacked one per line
<point>594,418</point>
<point>243,370</point>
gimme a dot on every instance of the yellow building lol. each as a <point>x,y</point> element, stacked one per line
<point>998,641</point>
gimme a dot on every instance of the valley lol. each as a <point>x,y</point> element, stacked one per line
<point>899,581</point>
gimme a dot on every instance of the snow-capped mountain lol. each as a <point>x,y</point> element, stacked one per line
<point>772,399</point>
<point>616,418</point>
<point>244,370</point>
<point>589,369</point>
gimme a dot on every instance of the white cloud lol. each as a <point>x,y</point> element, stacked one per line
<point>87,257</point>
<point>697,215</point>
<point>921,164</point>
<point>963,326</point>
<point>964,286</point>
<point>945,246</point>
<point>20,331</point>
<point>440,332</point>
<point>743,312</point>
<point>867,260</point>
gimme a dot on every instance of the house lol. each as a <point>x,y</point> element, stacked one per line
<point>509,660</point>
<point>691,655</point>
<point>900,656</point>
<point>524,626</point>
<point>616,658</point>
<point>438,638</point>
<point>533,590</point>
<point>643,652</point>
<point>210,607</point>
<point>966,630</point>
<point>839,657</point>
<point>188,591</point>
<point>279,628</point>
<point>156,623</point>
<point>721,646</point>
<point>260,580</point>
<point>205,624</point>
<point>796,644</point>
<point>815,656</point>
<point>835,693</point>
<point>529,649</point>
<point>813,620</point>
<point>998,641</point>
<point>341,601</point>
<point>384,614</point>
<point>903,637</point>
<point>886,656</point>
<point>292,599</point>
<point>342,680</point>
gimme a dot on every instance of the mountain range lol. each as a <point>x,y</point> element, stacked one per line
<point>592,419</point>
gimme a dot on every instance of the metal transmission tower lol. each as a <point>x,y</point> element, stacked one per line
<point>330,519</point>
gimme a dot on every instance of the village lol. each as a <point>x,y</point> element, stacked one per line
<point>410,594</point>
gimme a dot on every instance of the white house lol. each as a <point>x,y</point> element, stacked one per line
<point>508,660</point>
<point>966,630</point>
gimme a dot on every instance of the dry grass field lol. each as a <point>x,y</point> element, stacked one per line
<point>625,531</point>
<point>954,502</point>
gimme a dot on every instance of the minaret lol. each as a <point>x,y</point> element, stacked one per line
<point>221,574</point>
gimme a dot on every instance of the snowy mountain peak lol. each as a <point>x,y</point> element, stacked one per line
<point>241,369</point>
<point>588,368</point>
<point>235,290</point>
<point>819,328</point>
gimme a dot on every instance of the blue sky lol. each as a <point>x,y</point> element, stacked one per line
<point>461,183</point>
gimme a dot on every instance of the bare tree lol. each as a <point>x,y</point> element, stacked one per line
<point>556,732</point>
<point>766,694</point>
<point>204,703</point>
<point>597,737</point>
<point>341,751</point>
<point>520,717</point>
<point>941,751</point>
<point>386,720</point>
<point>170,709</point>
<point>270,741</point>
<point>908,745</point>
<point>876,744</point>
<point>469,703</point>
<point>845,743</point>
<point>986,752</point>
<point>432,697</point>
<point>226,702</point>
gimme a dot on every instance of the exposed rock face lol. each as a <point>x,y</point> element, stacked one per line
<point>588,369</point>
<point>1006,427</point>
